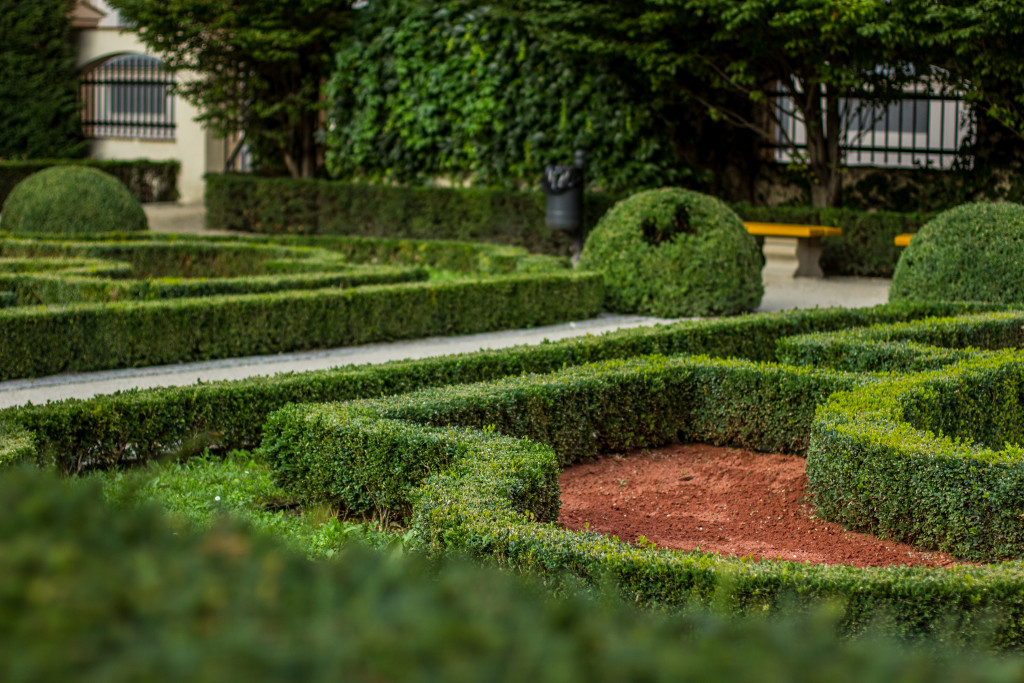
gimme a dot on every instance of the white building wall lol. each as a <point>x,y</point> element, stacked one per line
<point>191,141</point>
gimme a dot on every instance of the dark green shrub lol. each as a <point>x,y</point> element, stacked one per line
<point>72,199</point>
<point>673,252</point>
<point>974,252</point>
<point>39,110</point>
<point>323,207</point>
<point>127,596</point>
<point>148,181</point>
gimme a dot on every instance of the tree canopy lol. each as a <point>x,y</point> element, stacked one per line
<point>39,115</point>
<point>257,64</point>
<point>732,56</point>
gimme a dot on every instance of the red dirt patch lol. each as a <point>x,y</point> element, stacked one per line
<point>720,500</point>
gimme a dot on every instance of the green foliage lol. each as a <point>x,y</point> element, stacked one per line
<point>915,459</point>
<point>973,42</point>
<point>478,491</point>
<point>202,490</point>
<point>126,428</point>
<point>53,271</point>
<point>671,252</point>
<point>866,246</point>
<point>323,454</point>
<point>286,206</point>
<point>71,200</point>
<point>974,252</point>
<point>78,337</point>
<point>728,55</point>
<point>179,606</point>
<point>39,112</point>
<point>905,347</point>
<point>442,88</point>
<point>148,181</point>
<point>262,73</point>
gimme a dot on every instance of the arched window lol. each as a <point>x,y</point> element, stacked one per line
<point>128,97</point>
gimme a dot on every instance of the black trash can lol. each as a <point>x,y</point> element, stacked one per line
<point>564,188</point>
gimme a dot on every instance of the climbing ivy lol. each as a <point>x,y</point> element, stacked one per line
<point>433,89</point>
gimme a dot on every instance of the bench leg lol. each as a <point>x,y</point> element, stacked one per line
<point>808,254</point>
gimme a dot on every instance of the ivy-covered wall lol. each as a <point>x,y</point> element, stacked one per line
<point>445,89</point>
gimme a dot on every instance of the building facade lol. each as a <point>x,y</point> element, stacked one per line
<point>129,108</point>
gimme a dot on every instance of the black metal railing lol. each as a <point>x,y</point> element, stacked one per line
<point>128,97</point>
<point>919,130</point>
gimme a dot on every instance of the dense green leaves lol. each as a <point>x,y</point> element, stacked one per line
<point>974,252</point>
<point>730,56</point>
<point>38,87</point>
<point>92,594</point>
<point>72,200</point>
<point>442,88</point>
<point>674,253</point>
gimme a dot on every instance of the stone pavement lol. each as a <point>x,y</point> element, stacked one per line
<point>782,292</point>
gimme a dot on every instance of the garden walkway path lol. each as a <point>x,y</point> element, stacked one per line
<point>782,292</point>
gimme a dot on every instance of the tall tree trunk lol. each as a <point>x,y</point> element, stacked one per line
<point>301,155</point>
<point>823,133</point>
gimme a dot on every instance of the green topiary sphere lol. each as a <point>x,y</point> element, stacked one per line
<point>71,200</point>
<point>973,252</point>
<point>673,253</point>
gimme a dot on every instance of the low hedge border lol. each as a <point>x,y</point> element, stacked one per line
<point>907,346</point>
<point>147,181</point>
<point>467,257</point>
<point>915,460</point>
<point>172,258</point>
<point>580,412</point>
<point>320,207</point>
<point>134,426</point>
<point>144,599</point>
<point>492,497</point>
<point>32,289</point>
<point>79,337</point>
<point>65,266</point>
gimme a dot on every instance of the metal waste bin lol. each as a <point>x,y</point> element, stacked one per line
<point>564,188</point>
<point>564,209</point>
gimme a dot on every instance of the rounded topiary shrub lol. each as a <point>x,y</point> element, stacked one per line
<point>973,252</point>
<point>671,252</point>
<point>70,200</point>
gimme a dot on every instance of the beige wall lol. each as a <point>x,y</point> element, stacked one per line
<point>191,141</point>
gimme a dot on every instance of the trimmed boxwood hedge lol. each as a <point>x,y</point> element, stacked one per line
<point>40,341</point>
<point>283,205</point>
<point>673,253</point>
<point>134,426</point>
<point>34,289</point>
<point>906,347</point>
<point>481,492</point>
<point>72,200</point>
<point>930,459</point>
<point>973,252</point>
<point>140,598</point>
<point>101,324</point>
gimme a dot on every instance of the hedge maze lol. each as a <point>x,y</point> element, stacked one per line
<point>124,300</point>
<point>909,422</point>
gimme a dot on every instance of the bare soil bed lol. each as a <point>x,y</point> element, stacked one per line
<point>720,500</point>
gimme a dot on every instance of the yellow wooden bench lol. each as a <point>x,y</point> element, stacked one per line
<point>808,242</point>
<point>904,239</point>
